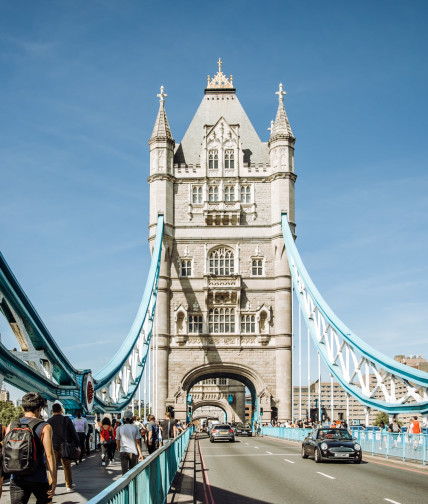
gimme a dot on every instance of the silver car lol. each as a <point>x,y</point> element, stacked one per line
<point>222,432</point>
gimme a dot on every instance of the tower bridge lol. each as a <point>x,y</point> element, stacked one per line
<point>218,302</point>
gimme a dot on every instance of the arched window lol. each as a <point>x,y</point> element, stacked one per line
<point>213,193</point>
<point>222,262</point>
<point>229,159</point>
<point>197,194</point>
<point>229,193</point>
<point>221,320</point>
<point>213,159</point>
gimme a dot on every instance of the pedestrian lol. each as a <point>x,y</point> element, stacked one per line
<point>128,440</point>
<point>107,441</point>
<point>39,484</point>
<point>81,426</point>
<point>63,431</point>
<point>89,439</point>
<point>395,429</point>
<point>415,428</point>
<point>152,435</point>
<point>168,427</point>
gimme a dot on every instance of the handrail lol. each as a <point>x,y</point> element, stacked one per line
<point>150,480</point>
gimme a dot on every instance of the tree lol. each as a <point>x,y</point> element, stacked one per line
<point>9,412</point>
<point>381,417</point>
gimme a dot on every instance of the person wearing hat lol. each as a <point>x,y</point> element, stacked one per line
<point>128,439</point>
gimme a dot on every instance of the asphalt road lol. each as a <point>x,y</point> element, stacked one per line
<point>268,471</point>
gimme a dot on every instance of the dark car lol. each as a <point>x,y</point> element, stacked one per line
<point>222,432</point>
<point>331,444</point>
<point>243,430</point>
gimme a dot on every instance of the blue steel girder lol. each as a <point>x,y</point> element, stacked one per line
<point>41,366</point>
<point>374,379</point>
<point>117,382</point>
<point>32,335</point>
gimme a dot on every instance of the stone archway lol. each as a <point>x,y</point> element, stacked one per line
<point>217,404</point>
<point>242,373</point>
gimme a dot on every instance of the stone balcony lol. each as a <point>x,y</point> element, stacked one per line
<point>222,213</point>
<point>221,290</point>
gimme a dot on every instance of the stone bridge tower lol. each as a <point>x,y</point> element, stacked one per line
<point>224,299</point>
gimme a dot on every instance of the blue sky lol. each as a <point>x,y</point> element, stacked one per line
<point>78,85</point>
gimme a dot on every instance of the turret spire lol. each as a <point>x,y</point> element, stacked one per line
<point>161,131</point>
<point>281,126</point>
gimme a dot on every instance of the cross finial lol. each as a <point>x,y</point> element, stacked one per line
<point>162,95</point>
<point>271,127</point>
<point>219,64</point>
<point>281,93</point>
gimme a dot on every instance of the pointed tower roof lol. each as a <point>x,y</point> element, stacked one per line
<point>161,130</point>
<point>281,126</point>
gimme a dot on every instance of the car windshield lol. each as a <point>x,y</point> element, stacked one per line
<point>222,426</point>
<point>334,434</point>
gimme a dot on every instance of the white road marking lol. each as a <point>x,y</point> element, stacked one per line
<point>326,475</point>
<point>390,500</point>
<point>270,453</point>
<point>256,447</point>
<point>250,455</point>
<point>290,461</point>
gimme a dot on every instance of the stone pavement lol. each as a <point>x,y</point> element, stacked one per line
<point>90,477</point>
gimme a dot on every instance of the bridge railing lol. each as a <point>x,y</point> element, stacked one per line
<point>387,444</point>
<point>150,480</point>
<point>286,433</point>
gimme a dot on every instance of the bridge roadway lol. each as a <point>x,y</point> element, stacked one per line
<point>260,470</point>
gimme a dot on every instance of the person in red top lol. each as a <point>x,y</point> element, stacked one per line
<point>107,439</point>
<point>415,428</point>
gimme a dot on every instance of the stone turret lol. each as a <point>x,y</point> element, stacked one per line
<point>161,165</point>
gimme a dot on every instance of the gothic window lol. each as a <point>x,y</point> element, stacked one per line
<point>222,262</point>
<point>229,159</point>
<point>221,320</point>
<point>248,323</point>
<point>186,268</point>
<point>213,193</point>
<point>245,194</point>
<point>229,193</point>
<point>213,159</point>
<point>195,324</point>
<point>257,267</point>
<point>197,194</point>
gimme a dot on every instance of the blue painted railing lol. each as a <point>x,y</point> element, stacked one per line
<point>413,447</point>
<point>286,433</point>
<point>405,446</point>
<point>149,481</point>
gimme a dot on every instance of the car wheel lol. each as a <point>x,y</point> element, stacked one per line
<point>211,440</point>
<point>317,456</point>
<point>231,440</point>
<point>359,459</point>
<point>304,454</point>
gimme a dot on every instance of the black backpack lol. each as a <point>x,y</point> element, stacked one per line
<point>22,448</point>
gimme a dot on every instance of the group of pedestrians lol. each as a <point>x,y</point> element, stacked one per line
<point>49,443</point>
<point>61,440</point>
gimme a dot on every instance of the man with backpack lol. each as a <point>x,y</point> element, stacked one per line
<point>395,429</point>
<point>28,454</point>
<point>63,432</point>
<point>168,427</point>
<point>152,434</point>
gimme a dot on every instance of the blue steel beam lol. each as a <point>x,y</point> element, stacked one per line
<point>129,362</point>
<point>127,365</point>
<point>41,339</point>
<point>346,355</point>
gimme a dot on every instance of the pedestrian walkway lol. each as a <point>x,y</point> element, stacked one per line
<point>90,477</point>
